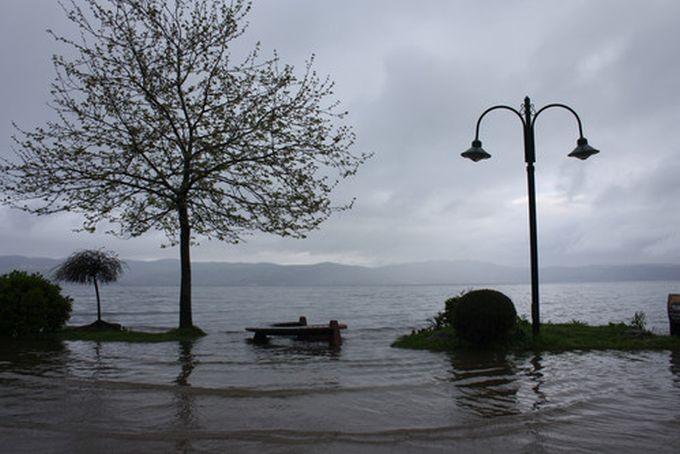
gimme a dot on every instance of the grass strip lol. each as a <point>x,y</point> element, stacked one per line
<point>72,334</point>
<point>553,337</point>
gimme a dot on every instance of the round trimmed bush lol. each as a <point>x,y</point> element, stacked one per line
<point>31,306</point>
<point>483,316</point>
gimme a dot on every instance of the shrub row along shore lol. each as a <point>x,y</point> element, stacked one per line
<point>487,319</point>
<point>553,337</point>
<point>32,307</point>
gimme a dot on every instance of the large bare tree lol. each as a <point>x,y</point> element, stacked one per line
<point>160,127</point>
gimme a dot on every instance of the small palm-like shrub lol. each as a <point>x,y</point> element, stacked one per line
<point>483,316</point>
<point>31,306</point>
<point>91,267</point>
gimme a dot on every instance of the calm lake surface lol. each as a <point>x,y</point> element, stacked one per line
<point>224,394</point>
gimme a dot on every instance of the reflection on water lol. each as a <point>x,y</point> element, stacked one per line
<point>187,362</point>
<point>675,366</point>
<point>184,401</point>
<point>99,366</point>
<point>33,358</point>
<point>486,381</point>
<point>537,379</point>
<point>286,349</point>
<point>222,393</point>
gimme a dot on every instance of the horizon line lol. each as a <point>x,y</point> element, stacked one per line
<point>327,262</point>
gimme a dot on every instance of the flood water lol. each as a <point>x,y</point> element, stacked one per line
<point>222,393</point>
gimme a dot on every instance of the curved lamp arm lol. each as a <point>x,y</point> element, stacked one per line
<point>563,106</point>
<point>479,121</point>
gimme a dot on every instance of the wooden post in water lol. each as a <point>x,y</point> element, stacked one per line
<point>674,313</point>
<point>335,339</point>
<point>260,338</point>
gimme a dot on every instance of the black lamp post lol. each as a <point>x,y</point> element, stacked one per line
<point>582,151</point>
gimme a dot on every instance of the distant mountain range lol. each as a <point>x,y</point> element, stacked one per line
<point>166,273</point>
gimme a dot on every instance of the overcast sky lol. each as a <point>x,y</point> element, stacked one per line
<point>415,76</point>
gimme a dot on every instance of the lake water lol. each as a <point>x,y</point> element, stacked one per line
<point>222,393</point>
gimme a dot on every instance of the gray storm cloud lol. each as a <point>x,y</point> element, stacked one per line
<point>415,76</point>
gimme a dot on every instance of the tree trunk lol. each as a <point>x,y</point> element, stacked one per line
<point>185,320</point>
<point>99,305</point>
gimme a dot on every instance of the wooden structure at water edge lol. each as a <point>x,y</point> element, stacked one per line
<point>301,331</point>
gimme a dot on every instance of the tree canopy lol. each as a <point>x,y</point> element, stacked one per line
<point>160,127</point>
<point>88,266</point>
<point>91,266</point>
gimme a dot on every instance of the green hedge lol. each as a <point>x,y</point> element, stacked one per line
<point>31,306</point>
<point>482,316</point>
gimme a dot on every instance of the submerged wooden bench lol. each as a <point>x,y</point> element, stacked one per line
<point>300,330</point>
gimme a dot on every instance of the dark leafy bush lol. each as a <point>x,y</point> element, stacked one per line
<point>445,318</point>
<point>438,321</point>
<point>31,306</point>
<point>449,306</point>
<point>483,316</point>
<point>639,321</point>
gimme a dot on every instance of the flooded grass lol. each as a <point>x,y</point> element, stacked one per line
<point>130,336</point>
<point>553,337</point>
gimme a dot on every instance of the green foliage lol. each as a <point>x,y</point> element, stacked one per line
<point>445,318</point>
<point>89,266</point>
<point>31,306</point>
<point>639,321</point>
<point>426,339</point>
<point>614,336</point>
<point>438,321</point>
<point>160,127</point>
<point>574,335</point>
<point>449,306</point>
<point>238,143</point>
<point>483,316</point>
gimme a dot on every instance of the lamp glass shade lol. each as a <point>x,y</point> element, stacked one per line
<point>583,150</point>
<point>476,152</point>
